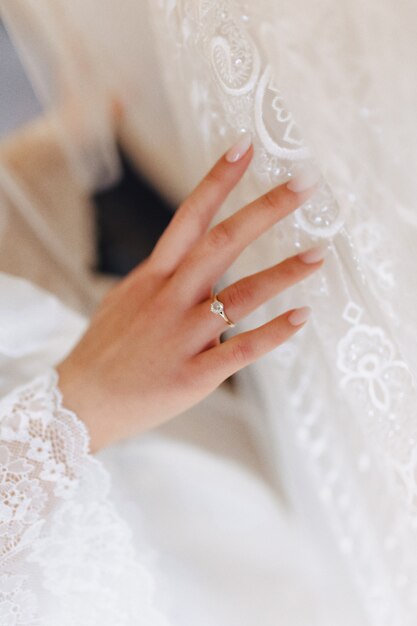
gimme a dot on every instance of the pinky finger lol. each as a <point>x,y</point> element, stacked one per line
<point>221,361</point>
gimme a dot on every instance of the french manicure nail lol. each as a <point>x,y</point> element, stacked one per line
<point>305,178</point>
<point>239,149</point>
<point>299,316</point>
<point>313,255</point>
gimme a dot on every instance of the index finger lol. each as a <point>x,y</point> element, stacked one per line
<point>194,215</point>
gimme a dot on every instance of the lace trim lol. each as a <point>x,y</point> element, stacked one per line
<point>65,553</point>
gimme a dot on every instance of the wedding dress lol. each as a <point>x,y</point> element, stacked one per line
<point>179,535</point>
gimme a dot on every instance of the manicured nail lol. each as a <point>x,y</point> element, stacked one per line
<point>239,149</point>
<point>305,178</point>
<point>313,255</point>
<point>299,316</point>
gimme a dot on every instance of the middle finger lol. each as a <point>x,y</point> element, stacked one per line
<point>219,248</point>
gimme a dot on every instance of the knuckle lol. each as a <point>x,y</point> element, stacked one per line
<point>183,378</point>
<point>239,295</point>
<point>269,201</point>
<point>214,176</point>
<point>280,331</point>
<point>220,236</point>
<point>242,353</point>
<point>291,270</point>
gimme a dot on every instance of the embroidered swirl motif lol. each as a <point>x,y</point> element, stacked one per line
<point>237,69</point>
<point>234,58</point>
<point>251,97</point>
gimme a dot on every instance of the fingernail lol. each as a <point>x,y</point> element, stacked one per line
<point>313,255</point>
<point>305,178</point>
<point>299,316</point>
<point>239,149</point>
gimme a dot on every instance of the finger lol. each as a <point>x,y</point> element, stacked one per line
<point>220,362</point>
<point>220,247</point>
<point>247,294</point>
<point>193,217</point>
<point>244,296</point>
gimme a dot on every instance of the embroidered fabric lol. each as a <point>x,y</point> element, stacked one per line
<point>345,387</point>
<point>66,555</point>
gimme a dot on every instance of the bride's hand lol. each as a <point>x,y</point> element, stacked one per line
<point>152,349</point>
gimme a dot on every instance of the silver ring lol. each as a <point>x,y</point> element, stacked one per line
<point>217,308</point>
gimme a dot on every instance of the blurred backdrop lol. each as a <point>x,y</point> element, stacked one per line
<point>128,217</point>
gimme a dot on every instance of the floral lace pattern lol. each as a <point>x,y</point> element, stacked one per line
<point>63,545</point>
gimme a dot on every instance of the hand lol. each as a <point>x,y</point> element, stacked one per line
<point>152,350</point>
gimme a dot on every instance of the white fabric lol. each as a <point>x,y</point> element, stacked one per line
<point>197,535</point>
<point>67,564</point>
<point>336,406</point>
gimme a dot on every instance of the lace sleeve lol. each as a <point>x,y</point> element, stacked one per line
<point>63,546</point>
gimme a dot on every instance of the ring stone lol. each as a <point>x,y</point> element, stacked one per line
<point>217,308</point>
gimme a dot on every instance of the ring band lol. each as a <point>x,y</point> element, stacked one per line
<point>217,308</point>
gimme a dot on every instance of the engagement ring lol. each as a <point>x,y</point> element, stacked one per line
<point>217,308</point>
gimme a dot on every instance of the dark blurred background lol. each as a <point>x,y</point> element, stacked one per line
<point>130,218</point>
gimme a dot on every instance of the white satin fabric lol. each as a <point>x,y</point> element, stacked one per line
<point>336,407</point>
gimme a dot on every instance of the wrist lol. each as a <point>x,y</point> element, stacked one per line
<point>78,398</point>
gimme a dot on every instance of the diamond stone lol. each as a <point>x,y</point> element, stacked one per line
<point>216,307</point>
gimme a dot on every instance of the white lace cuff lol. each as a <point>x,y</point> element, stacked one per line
<point>64,549</point>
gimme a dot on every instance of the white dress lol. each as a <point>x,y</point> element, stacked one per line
<point>332,539</point>
<point>185,536</point>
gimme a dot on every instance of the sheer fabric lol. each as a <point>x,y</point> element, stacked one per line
<point>336,405</point>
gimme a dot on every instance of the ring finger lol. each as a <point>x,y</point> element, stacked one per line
<point>247,294</point>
